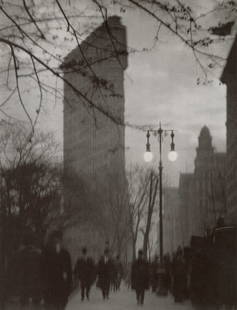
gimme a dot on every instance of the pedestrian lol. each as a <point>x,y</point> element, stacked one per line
<point>127,275</point>
<point>140,277</point>
<point>113,275</point>
<point>85,273</point>
<point>105,270</point>
<point>118,272</point>
<point>56,268</point>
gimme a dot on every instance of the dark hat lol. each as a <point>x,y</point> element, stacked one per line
<point>84,250</point>
<point>106,251</point>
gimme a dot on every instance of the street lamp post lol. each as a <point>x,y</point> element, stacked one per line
<point>160,132</point>
<point>148,156</point>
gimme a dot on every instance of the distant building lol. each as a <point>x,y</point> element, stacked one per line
<point>186,210</point>
<point>229,77</point>
<point>94,133</point>
<point>202,194</point>
<point>210,183</point>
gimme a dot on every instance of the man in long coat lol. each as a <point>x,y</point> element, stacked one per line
<point>85,273</point>
<point>118,267</point>
<point>105,274</point>
<point>140,277</point>
<point>57,273</point>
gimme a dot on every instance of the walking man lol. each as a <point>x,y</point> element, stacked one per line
<point>105,270</point>
<point>140,277</point>
<point>118,266</point>
<point>85,273</point>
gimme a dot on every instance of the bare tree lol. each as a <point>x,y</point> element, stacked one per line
<point>117,205</point>
<point>30,183</point>
<point>142,198</point>
<point>153,186</point>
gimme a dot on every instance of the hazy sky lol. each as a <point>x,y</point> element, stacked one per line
<point>161,86</point>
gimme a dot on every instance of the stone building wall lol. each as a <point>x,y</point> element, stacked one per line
<point>94,132</point>
<point>229,77</point>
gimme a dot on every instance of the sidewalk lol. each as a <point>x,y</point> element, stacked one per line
<point>124,300</point>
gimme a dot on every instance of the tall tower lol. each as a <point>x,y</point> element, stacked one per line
<point>205,151</point>
<point>229,77</point>
<point>93,128</point>
<point>94,133</point>
<point>202,173</point>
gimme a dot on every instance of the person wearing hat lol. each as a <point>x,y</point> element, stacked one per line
<point>85,273</point>
<point>140,277</point>
<point>105,270</point>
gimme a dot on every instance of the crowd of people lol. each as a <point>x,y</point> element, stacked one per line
<point>46,276</point>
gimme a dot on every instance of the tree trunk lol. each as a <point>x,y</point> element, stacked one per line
<point>152,197</point>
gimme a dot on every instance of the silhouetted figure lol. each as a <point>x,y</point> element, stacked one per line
<point>127,274</point>
<point>140,277</point>
<point>85,272</point>
<point>57,273</point>
<point>105,270</point>
<point>118,273</point>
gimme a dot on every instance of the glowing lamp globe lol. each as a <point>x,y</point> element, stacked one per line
<point>148,156</point>
<point>172,155</point>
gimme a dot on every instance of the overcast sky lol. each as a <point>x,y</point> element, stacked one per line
<point>160,86</point>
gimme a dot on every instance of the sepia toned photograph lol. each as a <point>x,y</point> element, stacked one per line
<point>118,154</point>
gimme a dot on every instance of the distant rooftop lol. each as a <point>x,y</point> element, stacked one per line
<point>205,132</point>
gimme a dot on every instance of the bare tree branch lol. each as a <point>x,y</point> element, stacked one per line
<point>33,20</point>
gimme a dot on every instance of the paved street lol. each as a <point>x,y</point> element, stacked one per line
<point>124,299</point>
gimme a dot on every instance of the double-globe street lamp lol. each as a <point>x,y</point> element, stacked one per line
<point>148,156</point>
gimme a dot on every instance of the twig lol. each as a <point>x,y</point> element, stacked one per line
<point>8,98</point>
<point>18,87</point>
<point>40,90</point>
<point>25,34</point>
<point>105,18</point>
<point>78,92</point>
<point>139,5</point>
<point>69,26</point>
<point>33,20</point>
